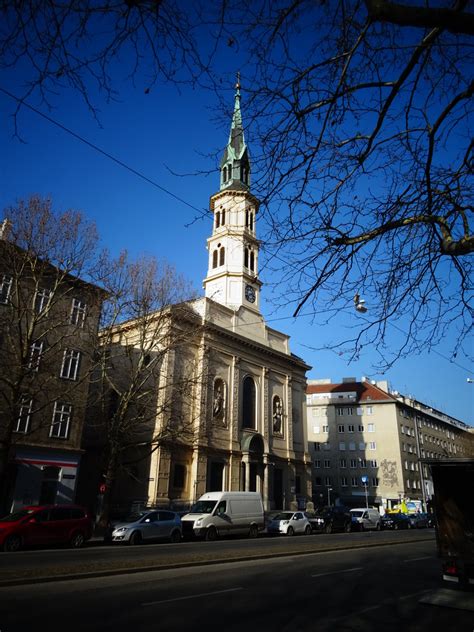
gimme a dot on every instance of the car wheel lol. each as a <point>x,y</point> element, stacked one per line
<point>211,534</point>
<point>135,538</point>
<point>77,540</point>
<point>12,544</point>
<point>328,528</point>
<point>175,537</point>
<point>348,527</point>
<point>290,531</point>
<point>253,533</point>
<point>308,530</point>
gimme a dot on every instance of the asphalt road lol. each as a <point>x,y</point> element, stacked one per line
<point>355,589</point>
<point>27,566</point>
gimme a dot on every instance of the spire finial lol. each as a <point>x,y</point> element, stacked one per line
<point>237,85</point>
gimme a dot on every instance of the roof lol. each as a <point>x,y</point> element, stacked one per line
<point>365,391</point>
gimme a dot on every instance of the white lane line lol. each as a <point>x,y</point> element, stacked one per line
<point>417,559</point>
<point>346,570</point>
<point>217,592</point>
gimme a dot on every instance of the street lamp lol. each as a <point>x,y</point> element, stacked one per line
<point>329,496</point>
<point>365,481</point>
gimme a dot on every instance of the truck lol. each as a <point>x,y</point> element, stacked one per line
<point>453,502</point>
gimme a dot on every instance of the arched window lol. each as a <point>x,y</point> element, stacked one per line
<point>224,174</point>
<point>246,218</point>
<point>246,257</point>
<point>249,403</point>
<point>218,219</point>
<point>214,259</point>
<point>222,256</point>
<point>222,217</point>
<point>252,260</point>
<point>229,172</point>
<point>251,222</point>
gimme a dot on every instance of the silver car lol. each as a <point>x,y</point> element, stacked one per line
<point>289,523</point>
<point>148,525</point>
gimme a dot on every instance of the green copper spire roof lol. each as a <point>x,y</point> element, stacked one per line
<point>235,163</point>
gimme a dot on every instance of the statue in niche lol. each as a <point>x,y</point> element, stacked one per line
<point>218,402</point>
<point>277,415</point>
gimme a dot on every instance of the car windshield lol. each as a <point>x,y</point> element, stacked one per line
<point>204,506</point>
<point>357,514</point>
<point>18,515</point>
<point>282,516</point>
<point>135,517</point>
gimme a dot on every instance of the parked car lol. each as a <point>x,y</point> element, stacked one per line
<point>396,521</point>
<point>363,518</point>
<point>289,523</point>
<point>419,520</point>
<point>145,526</point>
<point>329,519</point>
<point>45,525</point>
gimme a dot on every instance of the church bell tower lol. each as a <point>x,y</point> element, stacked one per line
<point>232,275</point>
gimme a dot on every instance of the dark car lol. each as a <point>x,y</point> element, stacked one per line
<point>419,520</point>
<point>396,521</point>
<point>329,519</point>
<point>45,525</point>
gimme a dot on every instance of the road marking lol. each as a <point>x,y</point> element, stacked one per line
<point>346,570</point>
<point>217,592</point>
<point>417,559</point>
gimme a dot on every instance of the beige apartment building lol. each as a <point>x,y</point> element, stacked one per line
<point>368,443</point>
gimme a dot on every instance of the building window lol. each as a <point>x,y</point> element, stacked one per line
<point>317,463</point>
<point>343,481</point>
<point>327,480</point>
<point>218,219</point>
<point>340,428</point>
<point>361,428</point>
<point>350,428</point>
<point>24,415</point>
<point>222,256</point>
<point>371,427</point>
<point>78,312</point>
<point>327,463</point>
<point>406,465</point>
<point>373,462</point>
<point>42,298</point>
<point>326,446</point>
<point>61,420</point>
<point>5,288</point>
<point>249,403</point>
<point>349,411</point>
<point>179,476</point>
<point>339,410</point>
<point>70,365</point>
<point>353,463</point>
<point>361,445</point>
<point>342,445</point>
<point>252,260</point>
<point>354,481</point>
<point>317,446</point>
<point>359,410</point>
<point>325,428</point>
<point>372,445</point>
<point>362,463</point>
<point>223,217</point>
<point>317,480</point>
<point>375,481</point>
<point>316,429</point>
<point>342,463</point>
<point>246,257</point>
<point>315,412</point>
<point>352,445</point>
<point>36,351</point>
<point>215,254</point>
<point>369,410</point>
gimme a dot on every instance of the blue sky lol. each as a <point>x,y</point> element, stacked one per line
<point>161,134</point>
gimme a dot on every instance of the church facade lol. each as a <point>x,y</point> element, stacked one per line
<point>247,412</point>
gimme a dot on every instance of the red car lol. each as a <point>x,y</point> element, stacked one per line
<point>45,525</point>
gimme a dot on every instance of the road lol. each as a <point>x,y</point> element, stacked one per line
<point>352,589</point>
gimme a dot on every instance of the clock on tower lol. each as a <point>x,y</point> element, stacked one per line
<point>250,294</point>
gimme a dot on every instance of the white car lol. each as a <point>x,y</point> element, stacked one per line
<point>289,523</point>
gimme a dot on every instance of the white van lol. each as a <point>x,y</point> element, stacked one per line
<point>225,513</point>
<point>363,518</point>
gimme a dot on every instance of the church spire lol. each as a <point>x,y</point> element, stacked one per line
<point>235,163</point>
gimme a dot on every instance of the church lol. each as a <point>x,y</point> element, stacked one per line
<point>248,414</point>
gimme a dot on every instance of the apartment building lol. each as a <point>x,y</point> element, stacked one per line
<point>368,443</point>
<point>48,327</point>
